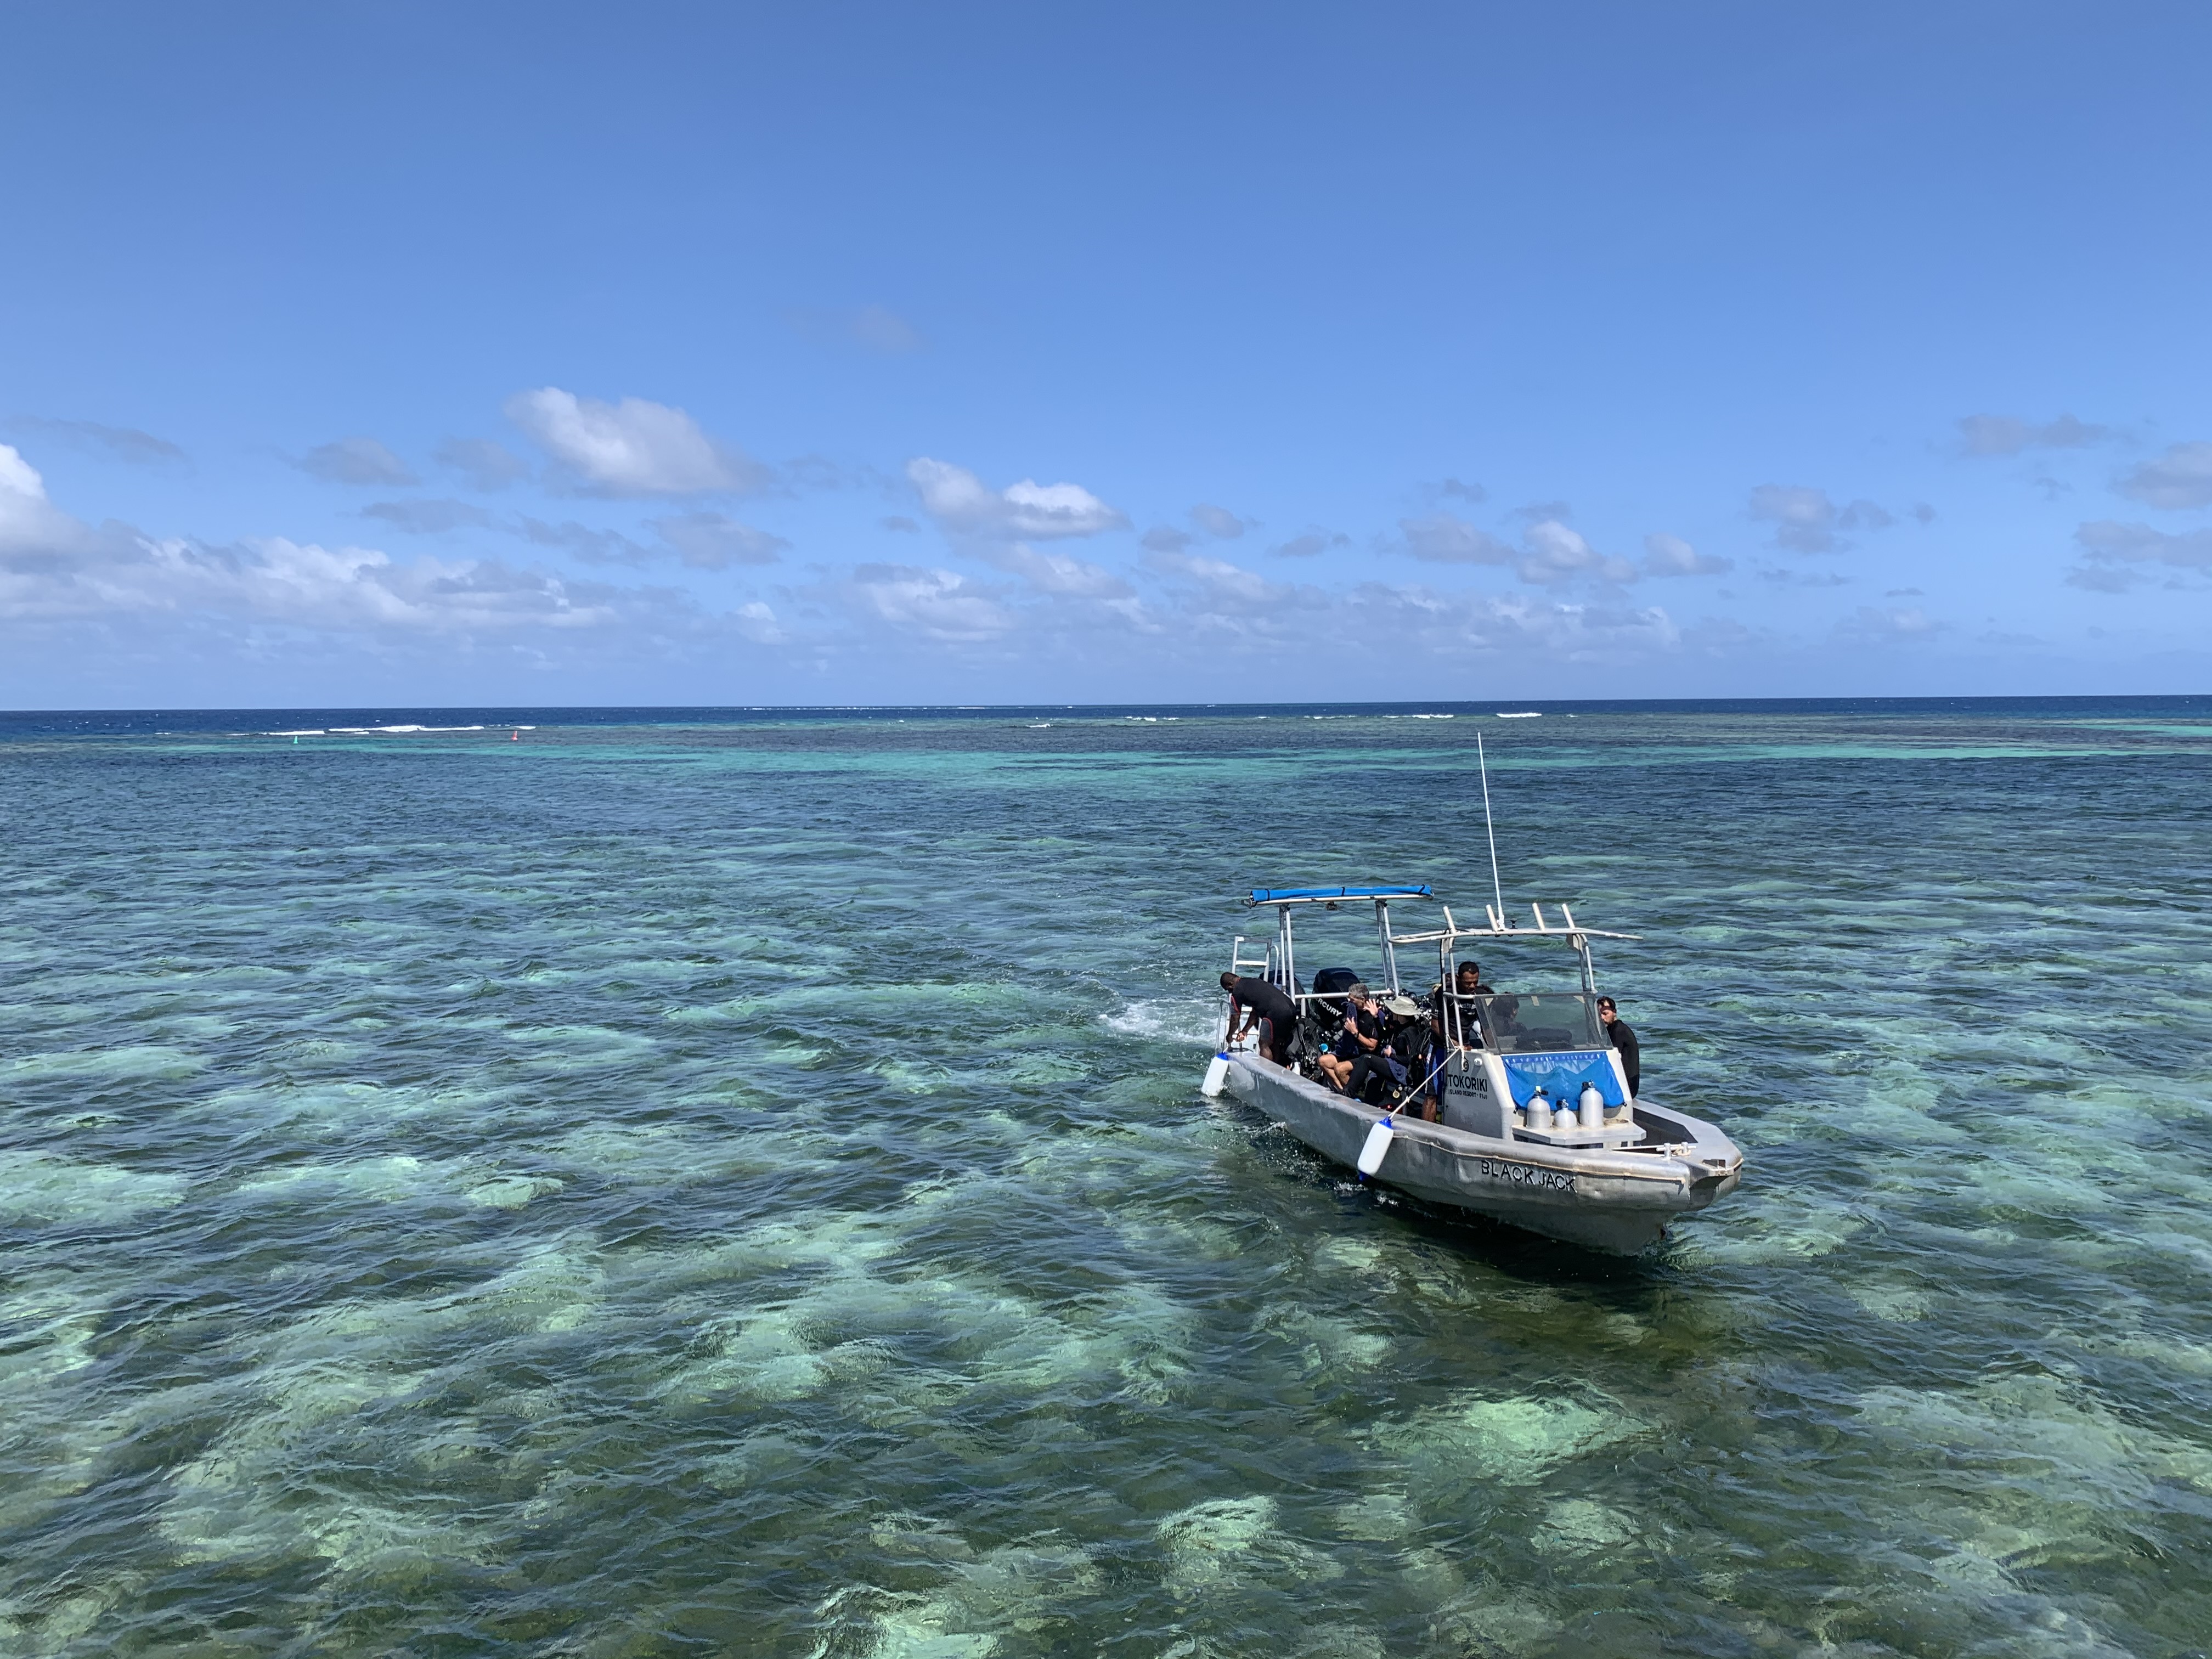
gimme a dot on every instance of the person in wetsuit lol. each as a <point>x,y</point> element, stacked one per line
<point>1383,1068</point>
<point>1265,1005</point>
<point>1359,1036</point>
<point>1632,1054</point>
<point>1467,985</point>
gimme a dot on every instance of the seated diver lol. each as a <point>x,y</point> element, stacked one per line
<point>1359,1036</point>
<point>1378,1075</point>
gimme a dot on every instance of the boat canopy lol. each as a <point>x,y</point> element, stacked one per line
<point>1332,894</point>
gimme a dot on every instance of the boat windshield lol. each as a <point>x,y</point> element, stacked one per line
<point>1540,1022</point>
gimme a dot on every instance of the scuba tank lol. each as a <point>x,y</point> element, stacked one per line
<point>1540,1109</point>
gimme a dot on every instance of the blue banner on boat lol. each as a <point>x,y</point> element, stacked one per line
<point>1562,1076</point>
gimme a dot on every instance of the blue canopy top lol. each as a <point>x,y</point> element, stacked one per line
<point>1279,895</point>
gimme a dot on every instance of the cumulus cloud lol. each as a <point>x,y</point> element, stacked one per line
<point>487,463</point>
<point>1551,553</point>
<point>118,443</point>
<point>53,567</point>
<point>355,461</point>
<point>933,604</point>
<point>1556,554</point>
<point>714,541</point>
<point>633,447</point>
<point>1670,556</point>
<point>1057,573</point>
<point>587,542</point>
<point>1166,538</point>
<point>1442,538</point>
<point>2004,434</point>
<point>1312,545</point>
<point>1218,521</point>
<point>2181,477</point>
<point>35,533</point>
<point>2115,552</point>
<point>1803,518</point>
<point>1465,492</point>
<point>426,517</point>
<point>963,504</point>
<point>1805,521</point>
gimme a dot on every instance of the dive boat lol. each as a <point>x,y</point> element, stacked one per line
<point>1538,1128</point>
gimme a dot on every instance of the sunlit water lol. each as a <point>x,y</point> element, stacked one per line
<point>740,1186</point>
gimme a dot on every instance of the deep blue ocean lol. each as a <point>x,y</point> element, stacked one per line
<point>734,1182</point>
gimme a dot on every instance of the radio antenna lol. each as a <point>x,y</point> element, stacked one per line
<point>1482,761</point>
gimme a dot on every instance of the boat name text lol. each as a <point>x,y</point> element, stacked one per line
<point>1527,1174</point>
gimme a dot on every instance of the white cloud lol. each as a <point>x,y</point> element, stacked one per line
<point>2182,477</point>
<point>935,604</point>
<point>587,542</point>
<point>1312,545</point>
<point>714,541</point>
<point>426,517</point>
<point>1803,518</point>
<point>1441,538</point>
<point>2112,549</point>
<point>1056,573</point>
<point>963,504</point>
<point>485,463</point>
<point>1670,556</point>
<point>1551,553</point>
<point>1166,538</point>
<point>633,447</point>
<point>2004,435</point>
<point>1218,521</point>
<point>1557,554</point>
<point>355,461</point>
<point>120,443</point>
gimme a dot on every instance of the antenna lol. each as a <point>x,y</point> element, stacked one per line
<point>1481,760</point>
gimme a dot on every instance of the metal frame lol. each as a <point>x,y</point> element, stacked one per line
<point>1279,963</point>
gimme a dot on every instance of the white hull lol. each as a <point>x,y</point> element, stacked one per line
<point>1617,1201</point>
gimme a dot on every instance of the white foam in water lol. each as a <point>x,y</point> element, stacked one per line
<point>1198,1021</point>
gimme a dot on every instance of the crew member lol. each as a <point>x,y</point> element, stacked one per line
<point>1461,1030</point>
<point>1266,1006</point>
<point>1631,1056</point>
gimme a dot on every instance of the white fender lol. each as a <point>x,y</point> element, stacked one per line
<point>1378,1143</point>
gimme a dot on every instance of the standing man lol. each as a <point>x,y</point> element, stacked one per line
<point>1631,1056</point>
<point>1467,1027</point>
<point>1266,1006</point>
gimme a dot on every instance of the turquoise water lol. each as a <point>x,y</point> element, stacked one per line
<point>738,1186</point>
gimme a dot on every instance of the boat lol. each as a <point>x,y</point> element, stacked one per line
<point>1538,1129</point>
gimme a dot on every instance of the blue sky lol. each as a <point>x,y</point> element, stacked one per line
<point>426,354</point>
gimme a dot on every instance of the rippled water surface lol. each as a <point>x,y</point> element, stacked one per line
<point>738,1186</point>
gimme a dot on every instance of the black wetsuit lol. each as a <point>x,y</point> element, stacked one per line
<point>1631,1056</point>
<point>1279,1014</point>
